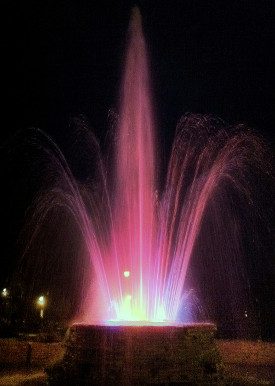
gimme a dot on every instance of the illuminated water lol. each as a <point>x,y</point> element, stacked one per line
<point>139,239</point>
<point>141,275</point>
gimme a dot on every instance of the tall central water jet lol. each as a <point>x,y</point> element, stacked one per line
<point>142,242</point>
<point>133,241</point>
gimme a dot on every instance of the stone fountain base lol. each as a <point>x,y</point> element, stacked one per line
<point>138,355</point>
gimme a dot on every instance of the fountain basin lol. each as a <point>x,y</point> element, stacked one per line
<point>138,355</point>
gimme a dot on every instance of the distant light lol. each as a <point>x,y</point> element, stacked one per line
<point>5,292</point>
<point>126,273</point>
<point>245,314</point>
<point>40,301</point>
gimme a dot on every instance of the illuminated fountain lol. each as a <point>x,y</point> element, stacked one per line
<point>136,279</point>
<point>140,241</point>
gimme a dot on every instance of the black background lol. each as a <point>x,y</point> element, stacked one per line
<point>64,58</point>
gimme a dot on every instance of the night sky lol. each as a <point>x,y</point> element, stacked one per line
<point>63,59</point>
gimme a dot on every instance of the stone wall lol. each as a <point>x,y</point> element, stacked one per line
<point>135,355</point>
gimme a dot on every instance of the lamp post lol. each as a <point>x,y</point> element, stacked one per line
<point>5,293</point>
<point>41,302</point>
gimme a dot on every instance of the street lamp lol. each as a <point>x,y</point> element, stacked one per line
<point>5,292</point>
<point>41,302</point>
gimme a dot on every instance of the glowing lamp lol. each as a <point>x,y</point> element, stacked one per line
<point>41,301</point>
<point>5,292</point>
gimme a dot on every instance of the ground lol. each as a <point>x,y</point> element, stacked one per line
<point>248,362</point>
<point>245,362</point>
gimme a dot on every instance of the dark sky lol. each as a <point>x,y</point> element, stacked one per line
<point>63,58</point>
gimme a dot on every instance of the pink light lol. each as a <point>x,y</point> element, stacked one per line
<point>153,238</point>
<point>136,226</point>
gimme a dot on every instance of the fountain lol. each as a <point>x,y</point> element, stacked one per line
<point>129,328</point>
